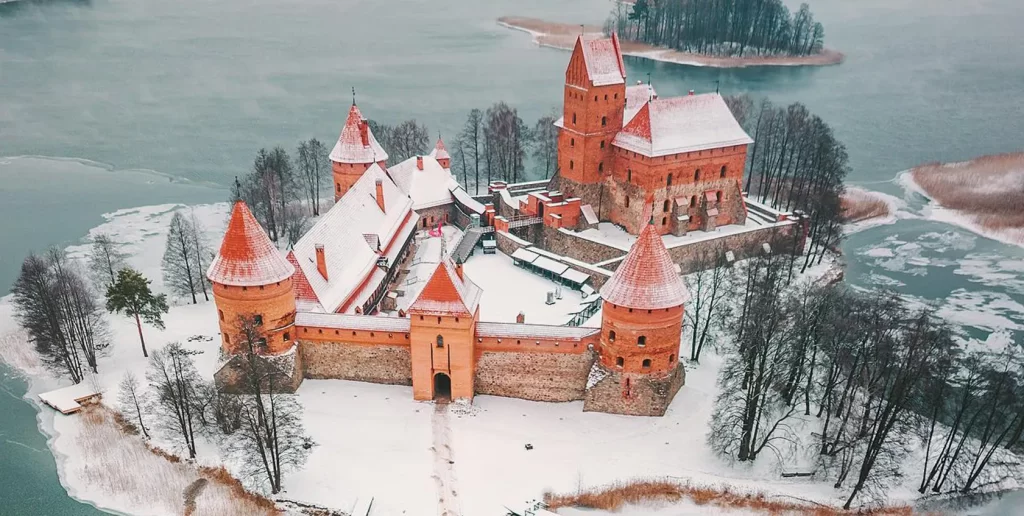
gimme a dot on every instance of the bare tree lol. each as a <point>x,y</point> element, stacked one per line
<point>133,401</point>
<point>472,144</point>
<point>105,260</point>
<point>181,261</point>
<point>268,189</point>
<point>545,140</point>
<point>173,376</point>
<point>297,222</point>
<point>270,439</point>
<point>708,289</point>
<point>506,139</point>
<point>314,169</point>
<point>203,255</point>
<point>402,141</point>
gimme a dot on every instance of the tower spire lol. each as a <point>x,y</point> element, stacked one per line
<point>353,95</point>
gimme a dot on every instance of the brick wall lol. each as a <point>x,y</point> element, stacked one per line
<point>275,303</point>
<point>743,245</point>
<point>645,395</point>
<point>339,360</point>
<point>431,216</point>
<point>533,376</point>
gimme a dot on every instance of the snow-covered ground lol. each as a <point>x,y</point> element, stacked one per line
<point>897,209</point>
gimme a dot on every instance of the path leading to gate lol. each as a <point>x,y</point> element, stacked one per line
<point>444,462</point>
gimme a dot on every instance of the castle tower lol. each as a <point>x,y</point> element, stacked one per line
<point>251,277</point>
<point>594,101</point>
<point>440,153</point>
<point>355,151</point>
<point>641,325</point>
<point>442,330</point>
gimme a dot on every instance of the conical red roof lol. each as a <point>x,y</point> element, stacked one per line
<point>647,278</point>
<point>247,257</point>
<point>351,148</point>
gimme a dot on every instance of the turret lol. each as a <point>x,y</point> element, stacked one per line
<point>252,278</point>
<point>355,151</point>
<point>440,153</point>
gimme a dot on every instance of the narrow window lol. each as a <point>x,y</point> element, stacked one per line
<point>338,186</point>
<point>719,196</point>
<point>696,175</point>
<point>672,358</point>
<point>287,337</point>
<point>600,167</point>
<point>606,97</point>
<point>438,320</point>
<point>619,361</point>
<point>257,320</point>
<point>221,312</point>
<point>440,341</point>
<point>616,95</point>
<point>627,202</point>
<point>574,119</point>
<point>641,341</point>
<point>722,173</point>
<point>604,121</point>
<point>664,220</point>
<point>227,339</point>
<point>668,180</point>
<point>602,144</point>
<point>665,206</point>
<point>629,175</point>
<point>572,142</point>
<point>611,336</point>
<point>595,98</point>
<point>693,201</point>
<point>647,363</point>
<point>570,164</point>
<point>261,344</point>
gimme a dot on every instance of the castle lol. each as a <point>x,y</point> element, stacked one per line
<point>661,170</point>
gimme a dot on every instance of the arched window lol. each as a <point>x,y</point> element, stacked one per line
<point>629,175</point>
<point>693,201</point>
<point>619,361</point>
<point>668,180</point>
<point>718,196</point>
<point>696,175</point>
<point>572,142</point>
<point>604,121</point>
<point>627,202</point>
<point>227,338</point>
<point>600,167</point>
<point>257,320</point>
<point>574,119</point>
<point>595,98</point>
<point>665,206</point>
<point>286,337</point>
<point>664,220</point>
<point>338,186</point>
<point>221,312</point>
<point>641,341</point>
<point>722,174</point>
<point>672,358</point>
<point>611,336</point>
<point>440,341</point>
<point>602,144</point>
<point>646,363</point>
<point>570,164</point>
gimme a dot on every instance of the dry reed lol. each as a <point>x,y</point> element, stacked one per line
<point>614,497</point>
<point>990,189</point>
<point>861,205</point>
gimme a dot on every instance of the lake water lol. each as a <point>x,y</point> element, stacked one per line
<point>128,103</point>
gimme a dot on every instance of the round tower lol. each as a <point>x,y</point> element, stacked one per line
<point>355,151</point>
<point>252,278</point>
<point>642,312</point>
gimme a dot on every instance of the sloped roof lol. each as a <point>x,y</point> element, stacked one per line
<point>647,278</point>
<point>604,60</point>
<point>247,257</point>
<point>429,187</point>
<point>350,148</point>
<point>689,123</point>
<point>342,231</point>
<point>534,331</point>
<point>636,96</point>
<point>445,293</point>
<point>303,290</point>
<point>440,152</point>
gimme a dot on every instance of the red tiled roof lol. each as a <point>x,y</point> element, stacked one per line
<point>647,278</point>
<point>603,60</point>
<point>303,290</point>
<point>247,257</point>
<point>350,148</point>
<point>446,293</point>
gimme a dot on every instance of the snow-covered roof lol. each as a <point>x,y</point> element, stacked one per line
<point>636,96</point>
<point>604,60</point>
<point>440,152</point>
<point>647,278</point>
<point>466,200</point>
<point>429,187</point>
<point>588,214</point>
<point>342,231</point>
<point>681,124</point>
<point>247,257</point>
<point>536,331</point>
<point>352,322</point>
<point>446,293</point>
<point>351,148</point>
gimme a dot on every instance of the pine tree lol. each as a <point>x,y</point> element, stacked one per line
<point>130,295</point>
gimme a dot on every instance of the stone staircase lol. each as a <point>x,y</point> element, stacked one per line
<point>468,242</point>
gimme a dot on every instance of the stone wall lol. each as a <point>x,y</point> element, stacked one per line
<point>431,216</point>
<point>349,361</point>
<point>507,243</point>
<point>287,376</point>
<point>644,395</point>
<point>533,376</point>
<point>743,245</point>
<point>567,244</point>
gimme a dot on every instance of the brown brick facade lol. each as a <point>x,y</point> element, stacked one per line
<point>375,363</point>
<point>533,376</point>
<point>640,341</point>
<point>273,304</point>
<point>633,394</point>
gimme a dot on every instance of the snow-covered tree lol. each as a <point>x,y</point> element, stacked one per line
<point>105,260</point>
<point>183,273</point>
<point>173,377</point>
<point>134,401</point>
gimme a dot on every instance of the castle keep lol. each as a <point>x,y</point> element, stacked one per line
<point>661,174</point>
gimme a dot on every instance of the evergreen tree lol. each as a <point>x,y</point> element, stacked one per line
<point>130,295</point>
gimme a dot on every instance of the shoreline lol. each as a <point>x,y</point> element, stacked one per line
<point>869,208</point>
<point>974,194</point>
<point>562,36</point>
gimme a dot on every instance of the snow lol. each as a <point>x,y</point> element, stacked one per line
<point>350,148</point>
<point>508,290</point>
<point>603,61</point>
<point>647,278</point>
<point>897,210</point>
<point>637,96</point>
<point>247,257</point>
<point>614,236</point>
<point>690,123</point>
<point>66,399</point>
<point>429,187</point>
<point>342,231</point>
<point>467,200</point>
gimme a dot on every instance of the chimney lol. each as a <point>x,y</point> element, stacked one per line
<point>364,132</point>
<point>458,269</point>
<point>321,260</point>
<point>521,318</point>
<point>419,162</point>
<point>380,194</point>
<point>691,92</point>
